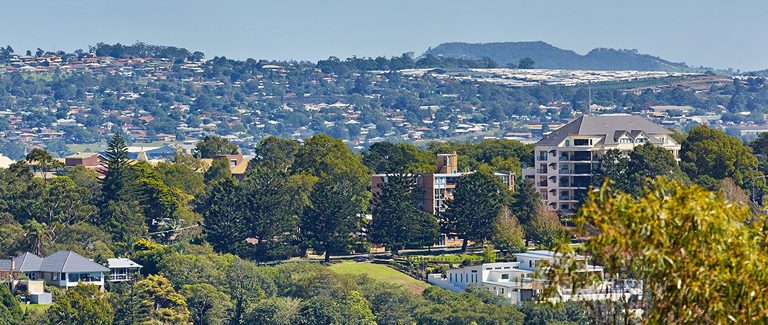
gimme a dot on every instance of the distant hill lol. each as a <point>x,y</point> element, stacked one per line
<point>547,56</point>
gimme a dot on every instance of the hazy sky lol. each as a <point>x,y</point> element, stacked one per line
<point>715,33</point>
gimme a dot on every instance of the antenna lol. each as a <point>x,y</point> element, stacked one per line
<point>589,103</point>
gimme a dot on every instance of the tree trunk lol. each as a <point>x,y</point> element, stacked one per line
<point>464,245</point>
<point>327,256</point>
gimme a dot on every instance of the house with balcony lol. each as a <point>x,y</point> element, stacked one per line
<point>565,158</point>
<point>62,269</point>
<point>122,269</point>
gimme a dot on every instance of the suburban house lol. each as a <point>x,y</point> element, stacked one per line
<point>524,279</point>
<point>438,187</point>
<point>122,269</point>
<point>62,269</point>
<point>565,158</point>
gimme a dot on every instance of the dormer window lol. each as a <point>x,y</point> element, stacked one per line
<point>582,142</point>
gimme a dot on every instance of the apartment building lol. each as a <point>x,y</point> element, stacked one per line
<point>437,188</point>
<point>565,159</point>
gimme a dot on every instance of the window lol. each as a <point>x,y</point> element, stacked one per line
<point>581,142</point>
<point>505,276</point>
<point>530,263</point>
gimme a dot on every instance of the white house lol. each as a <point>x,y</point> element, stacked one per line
<point>122,269</point>
<point>524,279</point>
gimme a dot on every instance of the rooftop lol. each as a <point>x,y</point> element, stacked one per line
<point>603,125</point>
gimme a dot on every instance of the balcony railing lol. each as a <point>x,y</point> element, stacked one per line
<point>120,277</point>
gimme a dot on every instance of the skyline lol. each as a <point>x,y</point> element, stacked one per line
<point>708,32</point>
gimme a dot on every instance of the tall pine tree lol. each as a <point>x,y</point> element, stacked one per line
<point>397,221</point>
<point>116,171</point>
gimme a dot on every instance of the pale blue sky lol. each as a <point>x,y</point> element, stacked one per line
<point>716,33</point>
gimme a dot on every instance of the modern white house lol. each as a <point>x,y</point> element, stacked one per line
<point>565,159</point>
<point>525,279</point>
<point>122,269</point>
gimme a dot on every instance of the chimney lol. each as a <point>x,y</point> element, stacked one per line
<point>447,163</point>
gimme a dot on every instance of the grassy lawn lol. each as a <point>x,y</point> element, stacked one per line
<point>35,308</point>
<point>380,272</point>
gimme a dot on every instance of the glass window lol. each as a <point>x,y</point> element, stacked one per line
<point>505,276</point>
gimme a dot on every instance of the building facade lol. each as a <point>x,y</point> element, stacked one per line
<point>566,158</point>
<point>525,280</point>
<point>437,188</point>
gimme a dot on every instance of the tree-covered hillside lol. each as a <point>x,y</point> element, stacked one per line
<point>547,56</point>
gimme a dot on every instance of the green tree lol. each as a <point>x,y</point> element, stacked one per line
<point>397,222</point>
<point>526,63</point>
<point>545,228</point>
<point>698,259</point>
<point>338,198</point>
<point>275,153</point>
<point>61,205</point>
<point>207,304</point>
<point>218,171</point>
<point>117,177</point>
<point>709,154</point>
<point>160,303</point>
<point>386,157</point>
<point>10,309</point>
<point>525,201</point>
<point>182,177</point>
<point>508,234</point>
<point>630,170</point>
<point>274,311</point>
<point>246,284</point>
<point>353,309</point>
<point>82,304</point>
<point>42,161</point>
<point>214,146</point>
<point>224,216</point>
<point>274,201</point>
<point>475,206</point>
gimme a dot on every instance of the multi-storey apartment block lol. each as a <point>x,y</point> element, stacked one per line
<point>437,188</point>
<point>565,159</point>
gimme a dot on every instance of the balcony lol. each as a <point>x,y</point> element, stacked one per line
<point>541,171</point>
<point>542,183</point>
<point>542,157</point>
<point>565,198</point>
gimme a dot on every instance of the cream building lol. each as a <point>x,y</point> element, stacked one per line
<point>565,158</point>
